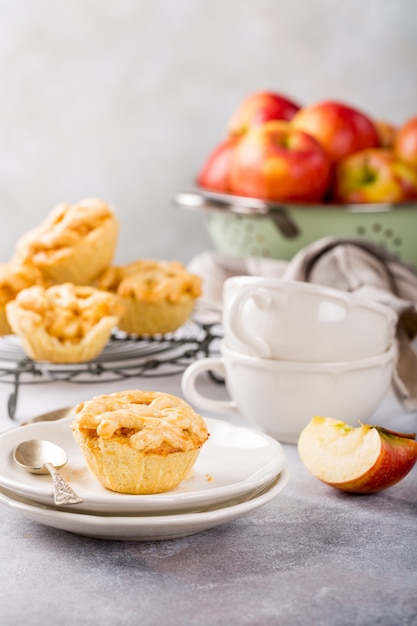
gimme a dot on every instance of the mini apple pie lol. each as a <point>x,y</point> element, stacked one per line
<point>74,244</point>
<point>13,279</point>
<point>139,441</point>
<point>158,296</point>
<point>63,323</point>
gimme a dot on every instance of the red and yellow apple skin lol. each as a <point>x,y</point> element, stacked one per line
<point>275,162</point>
<point>387,133</point>
<point>339,128</point>
<point>259,108</point>
<point>362,460</point>
<point>215,172</point>
<point>375,175</point>
<point>405,146</point>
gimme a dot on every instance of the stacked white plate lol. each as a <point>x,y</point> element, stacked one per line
<point>238,470</point>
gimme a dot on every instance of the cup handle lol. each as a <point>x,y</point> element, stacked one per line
<point>188,385</point>
<point>263,300</point>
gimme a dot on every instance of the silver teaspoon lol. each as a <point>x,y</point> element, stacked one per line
<point>50,416</point>
<point>40,457</point>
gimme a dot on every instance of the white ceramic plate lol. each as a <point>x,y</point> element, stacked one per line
<point>142,528</point>
<point>233,462</point>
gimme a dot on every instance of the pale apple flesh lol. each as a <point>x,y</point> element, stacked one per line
<point>365,459</point>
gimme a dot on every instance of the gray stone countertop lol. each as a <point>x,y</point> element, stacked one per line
<point>312,556</point>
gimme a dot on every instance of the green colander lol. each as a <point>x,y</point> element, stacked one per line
<point>249,227</point>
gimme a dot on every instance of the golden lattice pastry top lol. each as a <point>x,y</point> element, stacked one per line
<point>65,226</point>
<point>152,281</point>
<point>149,421</point>
<point>16,277</point>
<point>66,311</point>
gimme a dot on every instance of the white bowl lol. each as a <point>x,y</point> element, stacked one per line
<point>297,321</point>
<point>282,396</point>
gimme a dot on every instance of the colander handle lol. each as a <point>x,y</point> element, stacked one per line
<point>238,205</point>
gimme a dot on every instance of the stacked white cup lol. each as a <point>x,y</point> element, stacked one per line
<point>292,350</point>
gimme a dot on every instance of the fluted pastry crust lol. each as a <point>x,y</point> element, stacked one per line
<point>74,244</point>
<point>13,279</point>
<point>158,296</point>
<point>139,441</point>
<point>64,323</point>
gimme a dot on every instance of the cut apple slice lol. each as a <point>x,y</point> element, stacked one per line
<point>365,459</point>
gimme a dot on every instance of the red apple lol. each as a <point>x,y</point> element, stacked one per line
<point>374,175</point>
<point>215,172</point>
<point>358,460</point>
<point>387,133</point>
<point>274,161</point>
<point>340,129</point>
<point>259,108</point>
<point>405,146</point>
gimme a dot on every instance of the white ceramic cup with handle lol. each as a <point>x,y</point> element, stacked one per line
<point>296,321</point>
<point>281,397</point>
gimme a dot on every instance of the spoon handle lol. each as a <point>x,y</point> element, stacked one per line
<point>63,493</point>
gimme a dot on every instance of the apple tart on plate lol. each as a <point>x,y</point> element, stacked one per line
<point>139,442</point>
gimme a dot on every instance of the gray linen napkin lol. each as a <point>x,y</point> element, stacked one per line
<point>349,264</point>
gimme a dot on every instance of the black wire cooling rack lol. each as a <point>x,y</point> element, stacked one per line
<point>124,356</point>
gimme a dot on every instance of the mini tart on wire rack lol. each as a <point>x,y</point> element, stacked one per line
<point>139,442</point>
<point>158,296</point>
<point>13,279</point>
<point>64,323</point>
<point>74,244</point>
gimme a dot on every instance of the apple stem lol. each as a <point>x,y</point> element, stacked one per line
<point>387,431</point>
<point>368,173</point>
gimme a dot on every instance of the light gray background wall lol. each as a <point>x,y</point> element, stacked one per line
<point>124,99</point>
